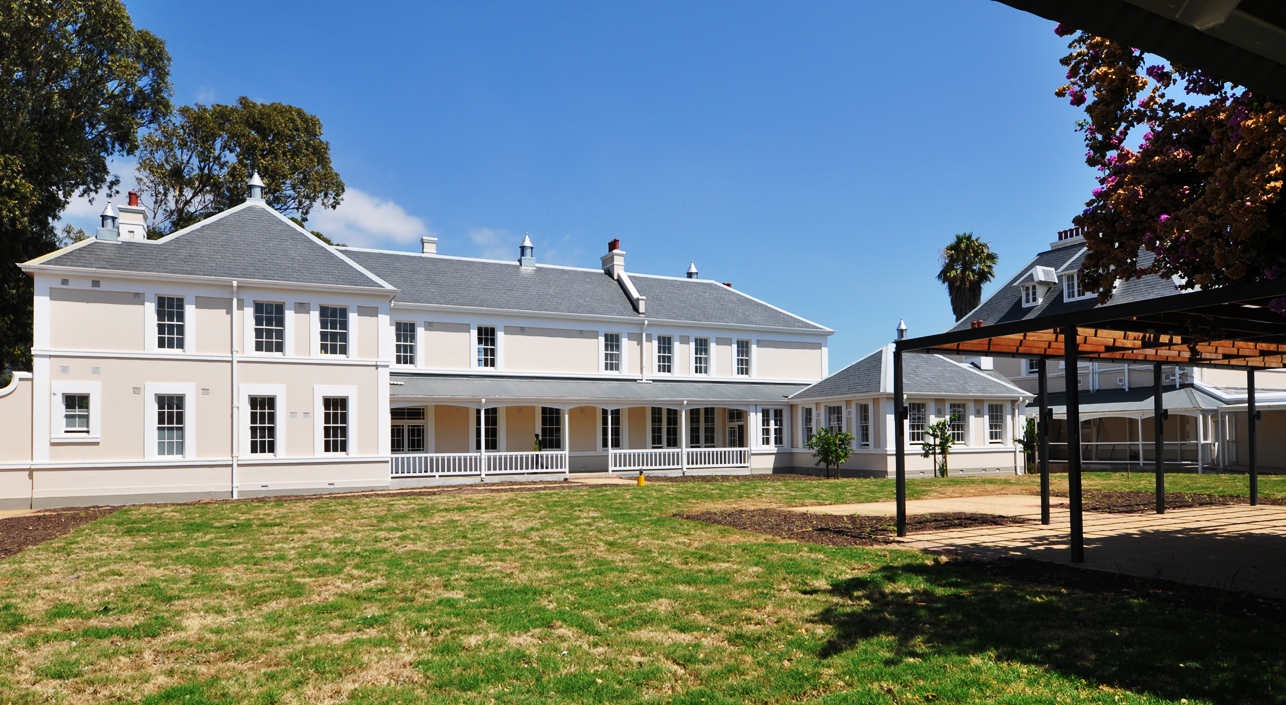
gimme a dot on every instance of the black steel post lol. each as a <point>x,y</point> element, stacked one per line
<point>1071,380</point>
<point>1158,437</point>
<point>1042,432</point>
<point>1252,420</point>
<point>899,438</point>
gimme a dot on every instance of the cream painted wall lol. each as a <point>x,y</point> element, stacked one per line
<point>723,357</point>
<point>211,325</point>
<point>584,422</point>
<point>446,346</point>
<point>368,333</point>
<point>93,319</point>
<point>683,355</point>
<point>638,427</point>
<point>299,379</point>
<point>529,349</point>
<point>781,359</point>
<point>15,420</point>
<point>451,429</point>
<point>520,428</point>
<point>635,354</point>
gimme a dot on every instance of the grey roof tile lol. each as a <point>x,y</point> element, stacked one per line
<point>923,374</point>
<point>249,242</point>
<point>705,300</point>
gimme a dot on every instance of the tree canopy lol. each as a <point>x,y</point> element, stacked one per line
<point>831,448</point>
<point>197,162</point>
<point>1197,196</point>
<point>77,84</point>
<point>967,264</point>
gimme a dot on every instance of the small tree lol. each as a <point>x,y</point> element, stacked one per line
<point>831,449</point>
<point>937,443</point>
<point>1029,441</point>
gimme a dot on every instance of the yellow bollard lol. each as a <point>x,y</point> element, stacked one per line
<point>642,481</point>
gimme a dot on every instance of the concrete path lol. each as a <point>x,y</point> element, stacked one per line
<point>1235,547</point>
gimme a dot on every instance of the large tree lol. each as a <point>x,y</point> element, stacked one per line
<point>967,264</point>
<point>198,162</point>
<point>77,83</point>
<point>1190,169</point>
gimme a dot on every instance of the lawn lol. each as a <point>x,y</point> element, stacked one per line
<point>591,595</point>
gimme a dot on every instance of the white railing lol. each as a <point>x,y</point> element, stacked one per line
<point>718,457</point>
<point>481,464</point>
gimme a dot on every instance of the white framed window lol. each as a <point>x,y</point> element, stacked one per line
<point>486,428</point>
<point>995,423</point>
<point>665,427</point>
<point>263,425</point>
<point>1031,367</point>
<point>743,358</point>
<point>404,332</point>
<point>665,354</point>
<point>959,417</point>
<point>335,428</point>
<point>701,427</point>
<point>917,415</point>
<point>74,412</point>
<point>701,356</point>
<point>170,333</point>
<point>612,352</point>
<point>736,428</point>
<point>270,327</point>
<point>864,425</point>
<point>610,436</point>
<point>407,430</point>
<point>551,428</point>
<point>334,330</point>
<point>772,424</point>
<point>1072,288</point>
<point>806,423</point>
<point>170,420</point>
<point>835,418</point>
<point>334,424</point>
<point>1030,295</point>
<point>486,347</point>
<point>171,425</point>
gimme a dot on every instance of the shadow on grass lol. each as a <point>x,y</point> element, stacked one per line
<point>1148,636</point>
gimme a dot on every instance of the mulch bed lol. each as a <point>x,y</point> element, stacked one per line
<point>1136,502</point>
<point>845,530</point>
<point>17,533</point>
<point>731,478</point>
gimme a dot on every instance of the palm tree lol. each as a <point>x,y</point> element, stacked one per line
<point>967,264</point>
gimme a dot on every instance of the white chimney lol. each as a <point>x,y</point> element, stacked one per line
<point>525,251</point>
<point>256,188</point>
<point>429,245</point>
<point>692,270</point>
<point>133,222</point>
<point>614,260</point>
<point>109,229</point>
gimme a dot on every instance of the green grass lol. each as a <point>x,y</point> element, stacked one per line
<point>594,595</point>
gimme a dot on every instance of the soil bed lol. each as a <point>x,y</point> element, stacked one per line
<point>17,533</point>
<point>1137,502</point>
<point>847,530</point>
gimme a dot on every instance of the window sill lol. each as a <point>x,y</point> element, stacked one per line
<point>74,440</point>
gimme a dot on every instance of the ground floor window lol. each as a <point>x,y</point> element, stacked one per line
<point>665,427</point>
<point>701,427</point>
<point>958,415</point>
<point>835,419</point>
<point>263,425</point>
<point>169,424</point>
<point>736,428</point>
<point>551,428</point>
<point>996,423</point>
<point>916,415</point>
<point>806,421</point>
<point>335,424</point>
<point>486,424</point>
<point>771,422</point>
<point>611,436</point>
<point>864,425</point>
<point>408,430</point>
<point>75,413</point>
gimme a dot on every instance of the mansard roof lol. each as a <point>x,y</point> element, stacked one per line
<point>491,284</point>
<point>250,242</point>
<point>925,375</point>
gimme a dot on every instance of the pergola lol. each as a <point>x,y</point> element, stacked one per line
<point>1231,328</point>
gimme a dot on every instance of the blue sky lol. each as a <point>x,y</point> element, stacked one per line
<point>816,155</point>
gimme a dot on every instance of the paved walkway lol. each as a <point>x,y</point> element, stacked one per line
<point>1236,547</point>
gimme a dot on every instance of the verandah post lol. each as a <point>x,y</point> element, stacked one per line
<point>1042,432</point>
<point>1071,380</point>
<point>899,439</point>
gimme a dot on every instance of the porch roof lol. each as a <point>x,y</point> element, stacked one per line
<point>1136,402</point>
<point>471,388</point>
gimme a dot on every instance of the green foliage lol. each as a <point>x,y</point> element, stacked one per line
<point>967,264</point>
<point>77,84</point>
<point>1029,440</point>
<point>937,443</point>
<point>197,163</point>
<point>831,449</point>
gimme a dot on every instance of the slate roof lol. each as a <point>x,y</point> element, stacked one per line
<point>474,283</point>
<point>1006,305</point>
<point>248,242</point>
<point>471,388</point>
<point>924,375</point>
<point>1134,401</point>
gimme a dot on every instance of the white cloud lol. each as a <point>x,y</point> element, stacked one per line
<point>363,220</point>
<point>83,213</point>
<point>502,244</point>
<point>205,95</point>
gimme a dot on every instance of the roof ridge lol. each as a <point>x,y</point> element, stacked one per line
<point>977,371</point>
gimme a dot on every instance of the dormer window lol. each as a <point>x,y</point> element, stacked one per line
<point>1031,296</point>
<point>1072,289</point>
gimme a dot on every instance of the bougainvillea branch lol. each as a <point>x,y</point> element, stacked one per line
<point>1190,171</point>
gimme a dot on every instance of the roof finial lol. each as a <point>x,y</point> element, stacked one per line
<point>256,188</point>
<point>525,257</point>
<point>901,329</point>
<point>692,270</point>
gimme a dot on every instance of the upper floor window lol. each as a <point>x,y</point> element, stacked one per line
<point>169,424</point>
<point>75,413</point>
<point>1072,288</point>
<point>612,352</point>
<point>334,331</point>
<point>487,346</point>
<point>995,423</point>
<point>551,428</point>
<point>957,423</point>
<point>664,354</point>
<point>917,415</point>
<point>1030,295</point>
<point>1031,367</point>
<point>864,425</point>
<point>169,322</point>
<point>263,425</point>
<point>771,424</point>
<point>701,356</point>
<point>335,424</point>
<point>743,358</point>
<point>270,327</point>
<point>405,338</point>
